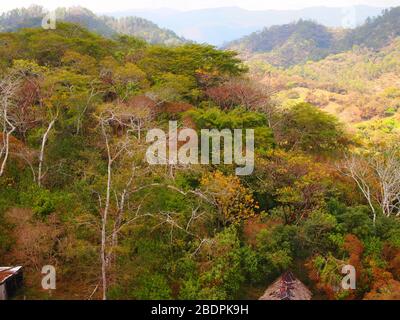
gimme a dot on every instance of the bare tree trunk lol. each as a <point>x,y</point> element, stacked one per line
<point>358,172</point>
<point>104,235</point>
<point>118,221</point>
<point>109,240</point>
<point>105,217</point>
<point>6,138</point>
<point>41,155</point>
<point>8,88</point>
<point>120,214</point>
<point>378,178</point>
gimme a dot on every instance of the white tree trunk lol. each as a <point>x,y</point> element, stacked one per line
<point>5,150</point>
<point>41,155</point>
<point>105,217</point>
<point>104,234</point>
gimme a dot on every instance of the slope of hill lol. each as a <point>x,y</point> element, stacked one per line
<point>103,25</point>
<point>375,32</point>
<point>81,106</point>
<point>357,85</point>
<point>221,25</point>
<point>288,44</point>
<point>291,44</point>
<point>142,28</point>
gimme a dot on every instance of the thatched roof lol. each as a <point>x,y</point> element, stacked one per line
<point>8,272</point>
<point>287,287</point>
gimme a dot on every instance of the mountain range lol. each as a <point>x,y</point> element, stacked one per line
<point>220,25</point>
<point>282,45</point>
<point>104,25</point>
<point>305,40</point>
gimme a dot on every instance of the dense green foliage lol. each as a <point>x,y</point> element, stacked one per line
<point>78,193</point>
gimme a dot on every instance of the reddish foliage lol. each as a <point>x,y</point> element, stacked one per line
<point>392,256</point>
<point>252,227</point>
<point>384,286</point>
<point>239,93</point>
<point>141,102</point>
<point>29,93</point>
<point>355,248</point>
<point>395,265</point>
<point>27,97</point>
<point>314,276</point>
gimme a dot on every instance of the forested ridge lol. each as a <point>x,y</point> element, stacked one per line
<point>104,25</point>
<point>304,40</point>
<point>76,191</point>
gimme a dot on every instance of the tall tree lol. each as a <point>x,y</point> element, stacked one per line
<point>8,88</point>
<point>377,176</point>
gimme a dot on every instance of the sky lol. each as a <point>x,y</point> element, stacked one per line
<point>119,5</point>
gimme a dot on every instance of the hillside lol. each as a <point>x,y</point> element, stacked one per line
<point>375,32</point>
<point>288,44</point>
<point>218,26</point>
<point>103,25</point>
<point>111,173</point>
<point>299,42</point>
<point>357,85</point>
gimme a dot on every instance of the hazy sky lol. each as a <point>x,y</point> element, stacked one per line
<point>118,5</point>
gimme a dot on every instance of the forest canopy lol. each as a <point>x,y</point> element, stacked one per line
<point>77,193</point>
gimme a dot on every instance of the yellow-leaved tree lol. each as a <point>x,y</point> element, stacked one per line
<point>233,201</point>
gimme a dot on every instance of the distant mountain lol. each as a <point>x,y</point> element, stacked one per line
<point>219,25</point>
<point>275,36</point>
<point>294,43</point>
<point>376,32</point>
<point>288,44</point>
<point>104,25</point>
